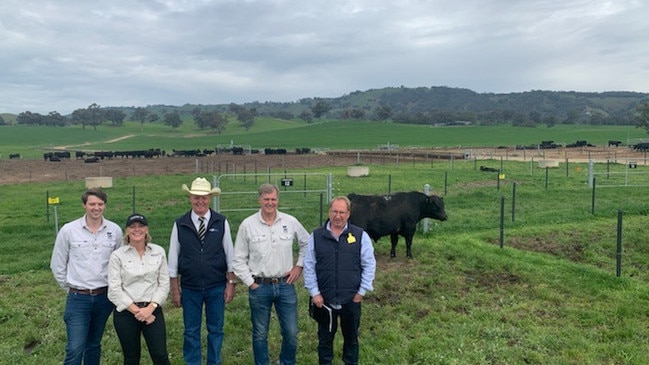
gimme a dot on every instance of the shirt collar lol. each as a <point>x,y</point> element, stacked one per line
<point>328,227</point>
<point>195,216</point>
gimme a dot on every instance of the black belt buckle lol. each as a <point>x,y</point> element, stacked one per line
<point>260,280</point>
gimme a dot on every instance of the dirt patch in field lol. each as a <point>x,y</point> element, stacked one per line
<point>25,171</point>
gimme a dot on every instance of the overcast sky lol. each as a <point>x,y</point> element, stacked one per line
<point>61,55</point>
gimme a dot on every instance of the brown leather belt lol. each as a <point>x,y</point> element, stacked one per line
<point>260,280</point>
<point>97,291</point>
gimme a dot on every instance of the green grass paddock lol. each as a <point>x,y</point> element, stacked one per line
<point>550,295</point>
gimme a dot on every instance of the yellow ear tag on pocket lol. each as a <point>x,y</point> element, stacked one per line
<point>350,238</point>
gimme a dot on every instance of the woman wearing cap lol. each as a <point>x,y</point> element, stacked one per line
<point>138,283</point>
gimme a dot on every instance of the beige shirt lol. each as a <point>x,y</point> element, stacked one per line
<point>132,278</point>
<point>267,250</point>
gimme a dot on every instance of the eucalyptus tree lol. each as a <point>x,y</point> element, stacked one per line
<point>172,119</point>
<point>141,115</point>
<point>642,116</point>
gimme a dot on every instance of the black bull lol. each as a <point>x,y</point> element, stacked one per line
<point>394,215</point>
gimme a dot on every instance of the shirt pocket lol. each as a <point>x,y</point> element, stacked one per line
<point>286,236</point>
<point>258,239</point>
<point>152,267</point>
<point>79,249</point>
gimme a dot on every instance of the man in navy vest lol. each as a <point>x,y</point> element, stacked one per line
<point>339,269</point>
<point>200,271</point>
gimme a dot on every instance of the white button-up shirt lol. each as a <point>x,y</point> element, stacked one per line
<point>267,250</point>
<point>134,278</point>
<point>80,257</point>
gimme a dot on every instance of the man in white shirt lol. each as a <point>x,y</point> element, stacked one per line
<point>263,261</point>
<point>80,266</point>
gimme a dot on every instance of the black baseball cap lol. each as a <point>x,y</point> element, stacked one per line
<point>136,217</point>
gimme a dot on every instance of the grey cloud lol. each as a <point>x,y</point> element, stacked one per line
<point>68,54</point>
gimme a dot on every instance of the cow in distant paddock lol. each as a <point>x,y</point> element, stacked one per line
<point>14,156</point>
<point>394,215</point>
<point>614,143</point>
<point>488,169</point>
<point>641,147</point>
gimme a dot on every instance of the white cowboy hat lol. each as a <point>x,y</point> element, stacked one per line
<point>200,186</point>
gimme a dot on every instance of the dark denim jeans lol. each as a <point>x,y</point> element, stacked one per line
<point>129,331</point>
<point>350,319</point>
<point>283,296</point>
<point>85,319</point>
<point>192,301</point>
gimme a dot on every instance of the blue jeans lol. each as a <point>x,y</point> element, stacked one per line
<point>192,301</point>
<point>261,300</point>
<point>85,319</point>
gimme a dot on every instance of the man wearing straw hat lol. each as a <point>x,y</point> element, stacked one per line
<point>200,271</point>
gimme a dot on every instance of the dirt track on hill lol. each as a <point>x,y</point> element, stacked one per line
<point>25,171</point>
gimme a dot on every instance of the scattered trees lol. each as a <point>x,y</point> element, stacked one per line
<point>320,108</point>
<point>53,119</point>
<point>306,116</point>
<point>210,119</point>
<point>141,115</point>
<point>245,116</point>
<point>382,112</point>
<point>29,118</point>
<point>172,119</point>
<point>115,116</point>
<point>93,115</point>
<point>642,116</point>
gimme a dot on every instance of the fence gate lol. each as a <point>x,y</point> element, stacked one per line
<point>300,193</point>
<point>629,173</point>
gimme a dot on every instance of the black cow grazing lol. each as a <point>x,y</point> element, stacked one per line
<point>488,169</point>
<point>641,147</point>
<point>62,155</point>
<point>614,143</point>
<point>13,156</point>
<point>394,215</point>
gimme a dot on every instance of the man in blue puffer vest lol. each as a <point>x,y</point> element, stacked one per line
<point>339,269</point>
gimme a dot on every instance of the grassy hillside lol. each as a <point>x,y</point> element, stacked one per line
<point>31,142</point>
<point>548,296</point>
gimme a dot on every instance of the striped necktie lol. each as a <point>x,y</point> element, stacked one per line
<point>201,228</point>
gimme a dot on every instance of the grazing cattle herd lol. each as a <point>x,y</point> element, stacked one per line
<point>96,156</point>
<point>89,156</point>
<point>395,215</point>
